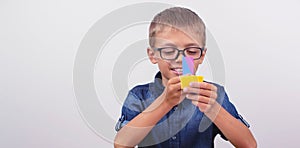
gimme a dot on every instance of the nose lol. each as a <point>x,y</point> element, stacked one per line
<point>179,58</point>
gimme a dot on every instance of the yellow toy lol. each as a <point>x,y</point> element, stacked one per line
<point>187,79</point>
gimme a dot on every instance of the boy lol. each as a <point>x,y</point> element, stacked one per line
<point>161,114</point>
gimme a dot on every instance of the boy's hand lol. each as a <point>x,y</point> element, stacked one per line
<point>173,93</point>
<point>202,94</point>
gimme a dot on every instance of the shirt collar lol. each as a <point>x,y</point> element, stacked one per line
<point>158,81</point>
<point>157,88</point>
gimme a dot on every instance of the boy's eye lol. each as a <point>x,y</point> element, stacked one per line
<point>192,51</point>
<point>168,51</point>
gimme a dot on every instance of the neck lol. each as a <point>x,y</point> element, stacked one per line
<point>164,81</point>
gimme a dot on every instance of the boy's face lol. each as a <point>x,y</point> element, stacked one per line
<point>171,37</point>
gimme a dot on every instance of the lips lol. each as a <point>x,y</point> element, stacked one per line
<point>177,70</point>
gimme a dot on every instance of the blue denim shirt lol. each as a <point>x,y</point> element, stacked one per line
<point>183,126</point>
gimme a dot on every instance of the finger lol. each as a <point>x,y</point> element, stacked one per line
<point>203,85</point>
<point>178,86</point>
<point>202,107</point>
<point>200,99</point>
<point>191,90</point>
<point>174,80</point>
<point>175,87</point>
<point>198,91</point>
<point>208,93</point>
<point>195,102</point>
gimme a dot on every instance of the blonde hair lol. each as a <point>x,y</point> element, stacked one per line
<point>179,18</point>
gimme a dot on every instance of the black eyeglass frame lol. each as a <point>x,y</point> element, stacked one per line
<point>159,49</point>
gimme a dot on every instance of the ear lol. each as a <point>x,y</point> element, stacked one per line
<point>151,55</point>
<point>203,55</point>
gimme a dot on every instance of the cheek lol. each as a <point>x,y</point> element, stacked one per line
<point>163,64</point>
<point>197,63</point>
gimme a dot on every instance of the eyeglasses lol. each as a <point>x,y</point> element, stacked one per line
<point>172,53</point>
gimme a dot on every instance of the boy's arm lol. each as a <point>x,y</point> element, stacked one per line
<point>204,96</point>
<point>138,128</point>
<point>234,130</point>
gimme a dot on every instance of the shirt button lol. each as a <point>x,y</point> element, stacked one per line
<point>174,137</point>
<point>175,108</point>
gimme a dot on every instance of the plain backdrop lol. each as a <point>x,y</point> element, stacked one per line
<point>259,42</point>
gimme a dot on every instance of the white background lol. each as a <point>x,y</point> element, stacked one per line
<point>259,41</point>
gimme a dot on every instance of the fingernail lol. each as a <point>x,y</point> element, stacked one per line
<point>185,89</point>
<point>195,103</point>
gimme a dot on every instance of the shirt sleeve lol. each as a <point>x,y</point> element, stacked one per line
<point>229,107</point>
<point>130,109</point>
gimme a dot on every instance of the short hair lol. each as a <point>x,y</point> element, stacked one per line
<point>180,18</point>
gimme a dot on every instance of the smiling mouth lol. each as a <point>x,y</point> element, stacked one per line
<point>177,70</point>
